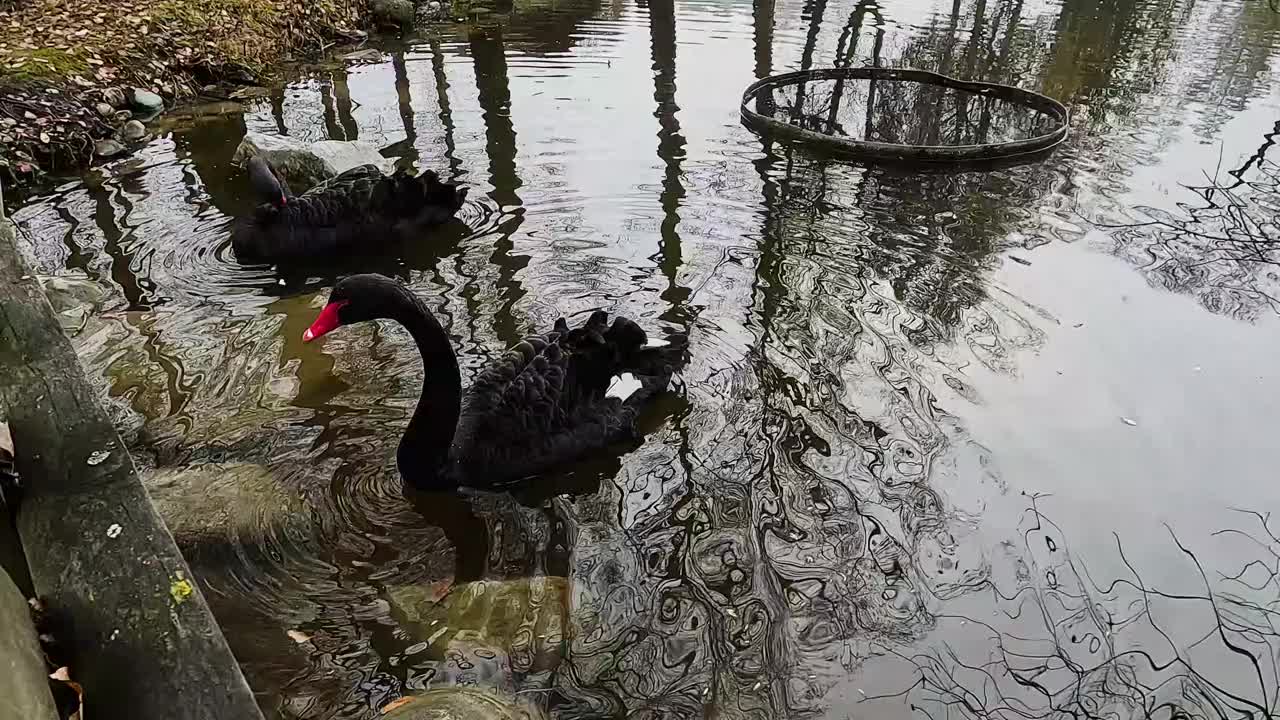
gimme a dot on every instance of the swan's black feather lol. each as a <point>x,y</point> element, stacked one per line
<point>544,402</point>
<point>343,214</point>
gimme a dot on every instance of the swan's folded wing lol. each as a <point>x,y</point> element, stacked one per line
<point>544,402</point>
<point>358,175</point>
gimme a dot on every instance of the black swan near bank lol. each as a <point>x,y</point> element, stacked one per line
<point>545,402</point>
<point>352,212</point>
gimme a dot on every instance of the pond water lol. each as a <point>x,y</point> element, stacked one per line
<point>832,515</point>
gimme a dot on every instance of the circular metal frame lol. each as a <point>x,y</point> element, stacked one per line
<point>908,153</point>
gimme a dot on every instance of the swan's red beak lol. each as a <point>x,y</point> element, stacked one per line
<point>325,322</point>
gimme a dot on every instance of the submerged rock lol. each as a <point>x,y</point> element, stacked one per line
<point>71,291</point>
<point>107,148</point>
<point>216,502</point>
<point>366,55</point>
<point>133,131</point>
<point>146,101</point>
<point>105,109</point>
<point>497,626</point>
<point>395,13</point>
<point>461,703</point>
<point>306,165</point>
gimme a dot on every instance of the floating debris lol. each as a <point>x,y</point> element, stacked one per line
<point>97,456</point>
<point>1129,421</point>
<point>396,703</point>
<point>114,531</point>
<point>298,636</point>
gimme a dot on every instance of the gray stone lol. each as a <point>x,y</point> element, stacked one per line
<point>122,116</point>
<point>72,291</point>
<point>397,13</point>
<point>107,148</point>
<point>461,703</point>
<point>114,97</point>
<point>216,502</point>
<point>366,55</point>
<point>105,109</point>
<point>146,101</point>
<point>24,684</point>
<point>306,165</point>
<point>133,131</point>
<point>342,155</point>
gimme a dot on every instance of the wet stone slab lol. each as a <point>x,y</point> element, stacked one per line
<point>24,687</point>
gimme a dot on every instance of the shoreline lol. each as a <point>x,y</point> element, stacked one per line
<point>80,82</point>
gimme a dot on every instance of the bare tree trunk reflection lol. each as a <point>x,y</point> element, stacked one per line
<point>405,101</point>
<point>671,144</point>
<point>342,99</point>
<point>446,114</point>
<point>331,129</point>
<point>814,10</point>
<point>493,86</point>
<point>277,110</point>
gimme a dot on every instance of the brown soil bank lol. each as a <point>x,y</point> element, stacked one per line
<point>70,70</point>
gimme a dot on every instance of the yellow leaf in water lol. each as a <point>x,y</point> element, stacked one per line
<point>180,590</point>
<point>396,703</point>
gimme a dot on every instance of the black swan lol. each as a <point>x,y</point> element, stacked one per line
<point>346,213</point>
<point>545,402</point>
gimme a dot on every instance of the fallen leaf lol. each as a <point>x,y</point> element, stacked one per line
<point>396,703</point>
<point>298,636</point>
<point>44,138</point>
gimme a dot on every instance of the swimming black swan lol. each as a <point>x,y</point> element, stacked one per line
<point>543,403</point>
<point>346,213</point>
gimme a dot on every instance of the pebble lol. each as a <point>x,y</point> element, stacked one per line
<point>114,97</point>
<point>122,116</point>
<point>107,148</point>
<point>105,109</point>
<point>146,101</point>
<point>133,131</point>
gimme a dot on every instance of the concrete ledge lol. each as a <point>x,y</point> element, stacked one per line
<point>139,635</point>
<point>24,684</point>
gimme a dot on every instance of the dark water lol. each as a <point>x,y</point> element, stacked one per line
<point>831,518</point>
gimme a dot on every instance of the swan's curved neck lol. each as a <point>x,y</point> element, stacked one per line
<point>424,449</point>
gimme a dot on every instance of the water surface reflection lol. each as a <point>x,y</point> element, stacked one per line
<point>883,361</point>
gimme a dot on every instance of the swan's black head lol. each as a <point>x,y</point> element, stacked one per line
<point>356,299</point>
<point>265,183</point>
